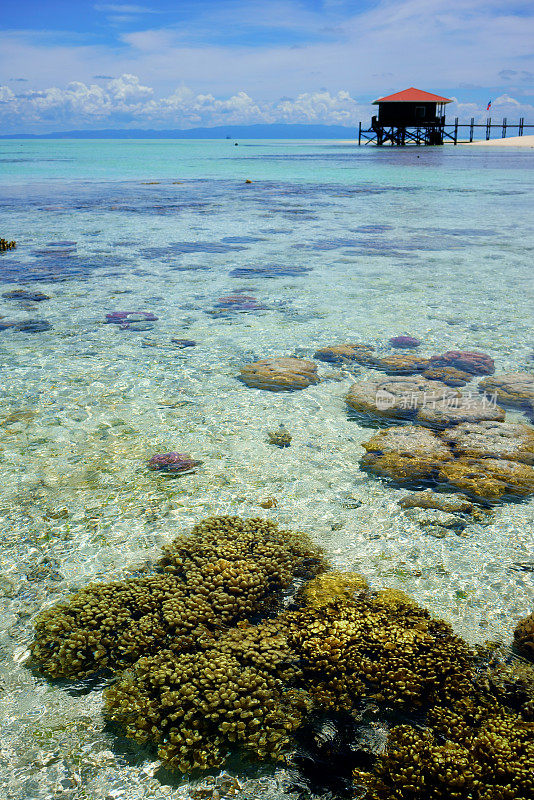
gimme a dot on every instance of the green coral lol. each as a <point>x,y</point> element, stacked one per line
<point>487,757</point>
<point>383,647</point>
<point>524,636</point>
<point>206,661</point>
<point>228,569</point>
<point>197,707</point>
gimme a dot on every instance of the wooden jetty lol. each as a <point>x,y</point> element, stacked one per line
<point>417,117</point>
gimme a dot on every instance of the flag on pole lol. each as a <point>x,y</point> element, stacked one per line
<point>489,106</point>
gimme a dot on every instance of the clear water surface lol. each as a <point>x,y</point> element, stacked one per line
<point>435,243</point>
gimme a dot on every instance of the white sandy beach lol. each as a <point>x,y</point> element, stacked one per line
<point>511,141</point>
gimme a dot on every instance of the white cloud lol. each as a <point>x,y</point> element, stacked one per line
<point>6,95</point>
<point>126,102</point>
<point>134,104</point>
<point>128,89</point>
<point>124,8</point>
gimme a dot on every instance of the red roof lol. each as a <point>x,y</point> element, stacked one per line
<point>412,95</point>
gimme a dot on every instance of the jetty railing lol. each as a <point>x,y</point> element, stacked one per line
<point>437,133</point>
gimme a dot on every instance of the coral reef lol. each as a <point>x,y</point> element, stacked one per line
<point>379,646</point>
<point>268,272</point>
<point>474,362</point>
<point>26,326</point>
<point>131,320</point>
<point>524,636</point>
<point>331,586</point>
<point>209,661</point>
<point>437,523</point>
<point>280,374</point>
<point>5,244</point>
<point>404,341</point>
<point>173,462</point>
<point>239,302</point>
<point>347,353</point>
<point>488,758</point>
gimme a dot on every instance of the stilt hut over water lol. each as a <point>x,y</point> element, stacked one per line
<point>410,116</point>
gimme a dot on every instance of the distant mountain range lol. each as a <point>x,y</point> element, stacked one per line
<point>219,132</point>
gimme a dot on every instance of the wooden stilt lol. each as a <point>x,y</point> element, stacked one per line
<point>432,133</point>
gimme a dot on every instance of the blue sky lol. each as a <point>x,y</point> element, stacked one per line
<point>179,64</point>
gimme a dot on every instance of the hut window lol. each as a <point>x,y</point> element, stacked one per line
<point>420,112</point>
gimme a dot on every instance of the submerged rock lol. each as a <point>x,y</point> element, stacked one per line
<point>126,318</point>
<point>26,326</point>
<point>449,503</point>
<point>503,440</point>
<point>444,413</point>
<point>410,454</point>
<point>173,462</point>
<point>268,272</point>
<point>239,302</point>
<point>402,364</point>
<point>473,362</point>
<point>449,375</point>
<point>511,388</point>
<point>25,294</point>
<point>396,397</point>
<point>436,522</point>
<point>280,374</point>
<point>346,353</point>
<point>406,454</point>
<point>404,341</point>
<point>489,479</point>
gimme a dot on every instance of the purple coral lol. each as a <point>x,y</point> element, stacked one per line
<point>173,462</point>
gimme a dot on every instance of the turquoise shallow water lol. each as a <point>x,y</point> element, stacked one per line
<point>435,243</point>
